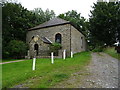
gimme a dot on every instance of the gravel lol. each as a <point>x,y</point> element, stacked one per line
<point>103,73</point>
<point>105,69</point>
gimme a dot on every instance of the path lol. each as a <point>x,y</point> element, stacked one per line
<point>102,72</point>
<point>11,61</point>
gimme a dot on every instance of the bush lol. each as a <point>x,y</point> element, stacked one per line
<point>98,49</point>
<point>17,49</point>
<point>54,47</point>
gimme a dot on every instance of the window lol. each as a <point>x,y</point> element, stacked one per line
<point>81,42</point>
<point>58,38</point>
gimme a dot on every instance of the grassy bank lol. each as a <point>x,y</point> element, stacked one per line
<point>46,74</point>
<point>112,52</point>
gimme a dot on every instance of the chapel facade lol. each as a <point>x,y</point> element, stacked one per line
<point>40,38</point>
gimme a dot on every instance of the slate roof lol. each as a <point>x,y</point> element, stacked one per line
<point>46,40</point>
<point>52,22</point>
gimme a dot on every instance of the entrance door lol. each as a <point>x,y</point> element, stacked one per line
<point>36,48</point>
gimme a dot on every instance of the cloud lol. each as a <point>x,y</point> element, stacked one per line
<point>60,6</point>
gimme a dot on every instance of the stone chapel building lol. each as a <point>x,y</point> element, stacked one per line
<point>57,30</point>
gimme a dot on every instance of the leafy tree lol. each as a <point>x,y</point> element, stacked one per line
<point>78,21</point>
<point>43,16</point>
<point>118,20</point>
<point>16,20</point>
<point>104,27</point>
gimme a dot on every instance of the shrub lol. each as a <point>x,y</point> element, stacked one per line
<point>54,47</point>
<point>98,49</point>
<point>17,49</point>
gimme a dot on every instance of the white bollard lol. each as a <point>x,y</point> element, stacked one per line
<point>52,58</point>
<point>64,54</point>
<point>34,59</point>
<point>71,54</point>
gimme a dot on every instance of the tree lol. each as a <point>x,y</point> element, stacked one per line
<point>104,19</point>
<point>117,21</point>
<point>16,21</point>
<point>43,16</point>
<point>78,21</point>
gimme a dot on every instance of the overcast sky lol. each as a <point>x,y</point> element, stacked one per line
<point>60,6</point>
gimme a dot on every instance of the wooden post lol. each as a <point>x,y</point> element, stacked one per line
<point>52,58</point>
<point>64,54</point>
<point>34,59</point>
<point>71,54</point>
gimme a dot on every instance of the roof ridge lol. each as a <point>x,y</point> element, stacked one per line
<point>51,22</point>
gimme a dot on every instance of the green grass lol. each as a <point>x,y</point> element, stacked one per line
<point>46,74</point>
<point>112,52</point>
<point>0,76</point>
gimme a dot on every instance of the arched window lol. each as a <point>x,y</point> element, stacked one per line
<point>58,38</point>
<point>36,48</point>
<point>81,42</point>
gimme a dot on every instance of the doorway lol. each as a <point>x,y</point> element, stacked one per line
<point>36,47</point>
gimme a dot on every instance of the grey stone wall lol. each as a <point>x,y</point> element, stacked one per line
<point>78,44</point>
<point>50,33</point>
<point>71,39</point>
<point>42,49</point>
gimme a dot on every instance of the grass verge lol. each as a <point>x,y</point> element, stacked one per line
<point>46,74</point>
<point>112,52</point>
